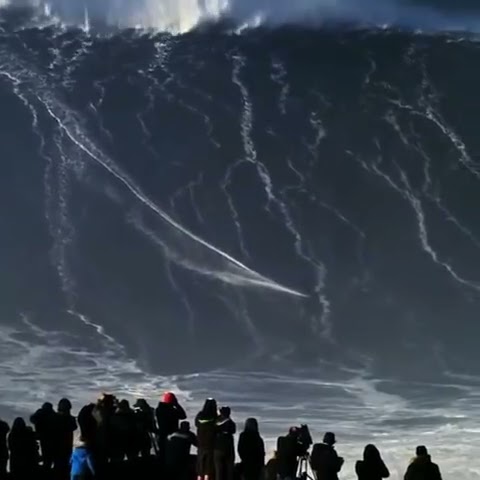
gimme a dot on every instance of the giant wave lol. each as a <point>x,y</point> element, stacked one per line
<point>285,218</point>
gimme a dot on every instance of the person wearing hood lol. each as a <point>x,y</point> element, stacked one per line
<point>324,459</point>
<point>23,450</point>
<point>422,467</point>
<point>206,423</point>
<point>45,423</point>
<point>224,450</point>
<point>66,426</point>
<point>372,467</point>
<point>82,462</point>
<point>4,429</point>
<point>251,450</point>
<point>178,459</point>
<point>168,413</point>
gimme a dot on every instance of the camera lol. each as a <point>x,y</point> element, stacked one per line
<point>304,436</point>
<point>303,439</point>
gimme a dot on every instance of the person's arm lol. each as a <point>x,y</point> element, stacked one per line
<point>408,473</point>
<point>91,463</point>
<point>385,473</point>
<point>34,418</point>
<point>241,446</point>
<point>4,428</point>
<point>438,475</point>
<point>73,424</point>
<point>182,415</point>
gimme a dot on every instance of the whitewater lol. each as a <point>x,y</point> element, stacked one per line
<point>180,16</point>
<point>269,202</point>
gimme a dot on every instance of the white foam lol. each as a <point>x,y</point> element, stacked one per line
<point>179,16</point>
<point>37,364</point>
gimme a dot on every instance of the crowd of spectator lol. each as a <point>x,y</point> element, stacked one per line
<point>111,439</point>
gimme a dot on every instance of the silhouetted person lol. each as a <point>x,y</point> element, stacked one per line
<point>422,467</point>
<point>145,422</point>
<point>271,468</point>
<point>4,429</point>
<point>178,460</point>
<point>88,424</point>
<point>168,413</point>
<point>251,450</point>
<point>66,426</point>
<point>206,423</point>
<point>372,467</point>
<point>324,459</point>
<point>45,423</point>
<point>224,451</point>
<point>83,463</point>
<point>103,413</point>
<point>124,432</point>
<point>23,450</point>
<point>289,449</point>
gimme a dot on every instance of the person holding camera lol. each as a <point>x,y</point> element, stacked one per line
<point>289,449</point>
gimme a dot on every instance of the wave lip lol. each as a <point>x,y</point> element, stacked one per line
<point>182,16</point>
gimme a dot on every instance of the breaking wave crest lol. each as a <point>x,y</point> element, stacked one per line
<point>181,16</point>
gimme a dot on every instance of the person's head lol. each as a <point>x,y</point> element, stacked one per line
<point>422,451</point>
<point>124,406</point>
<point>107,402</point>
<point>184,426</point>
<point>142,404</point>
<point>210,408</point>
<point>371,453</point>
<point>47,407</point>
<point>64,405</point>
<point>19,424</point>
<point>251,425</point>
<point>225,412</point>
<point>329,439</point>
<point>169,398</point>
<point>293,431</point>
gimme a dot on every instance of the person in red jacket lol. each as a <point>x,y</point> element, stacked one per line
<point>168,413</point>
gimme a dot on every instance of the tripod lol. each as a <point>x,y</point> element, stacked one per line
<point>302,470</point>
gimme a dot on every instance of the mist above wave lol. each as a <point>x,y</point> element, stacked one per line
<point>180,16</point>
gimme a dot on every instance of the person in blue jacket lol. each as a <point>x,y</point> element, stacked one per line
<point>82,463</point>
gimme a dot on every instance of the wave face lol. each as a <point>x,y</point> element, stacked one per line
<point>275,217</point>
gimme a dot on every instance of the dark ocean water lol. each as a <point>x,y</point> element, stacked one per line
<point>286,217</point>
